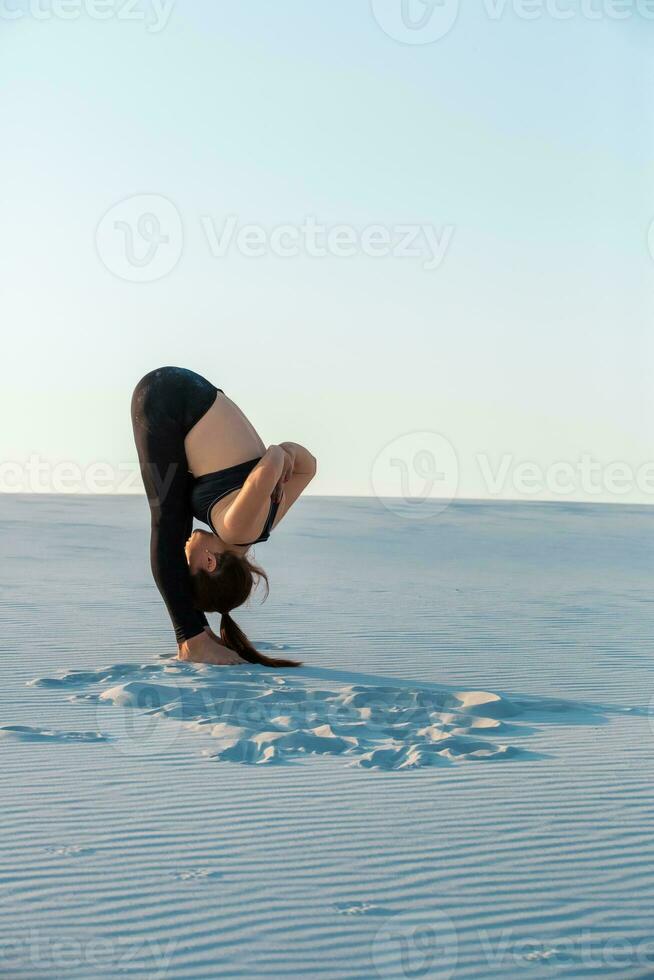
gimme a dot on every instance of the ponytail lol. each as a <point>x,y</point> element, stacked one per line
<point>233,637</point>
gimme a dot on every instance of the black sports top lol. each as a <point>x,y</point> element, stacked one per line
<point>166,404</point>
<point>212,487</point>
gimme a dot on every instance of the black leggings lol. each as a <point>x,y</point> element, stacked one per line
<point>166,404</point>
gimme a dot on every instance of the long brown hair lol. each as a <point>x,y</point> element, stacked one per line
<point>223,590</point>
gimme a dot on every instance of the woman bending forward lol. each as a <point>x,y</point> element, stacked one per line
<point>200,456</point>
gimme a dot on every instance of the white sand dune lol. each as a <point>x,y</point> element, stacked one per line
<point>345,821</point>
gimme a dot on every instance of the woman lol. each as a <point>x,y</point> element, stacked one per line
<point>200,456</point>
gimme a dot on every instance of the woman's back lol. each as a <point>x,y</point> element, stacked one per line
<point>223,437</point>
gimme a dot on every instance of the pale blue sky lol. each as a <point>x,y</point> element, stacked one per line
<point>531,139</point>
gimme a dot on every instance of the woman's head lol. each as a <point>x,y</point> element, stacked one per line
<point>202,550</point>
<point>222,580</point>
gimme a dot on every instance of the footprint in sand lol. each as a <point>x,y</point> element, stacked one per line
<point>197,874</point>
<point>541,953</point>
<point>360,908</point>
<point>70,850</point>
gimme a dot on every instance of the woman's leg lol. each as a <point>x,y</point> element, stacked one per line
<point>158,421</point>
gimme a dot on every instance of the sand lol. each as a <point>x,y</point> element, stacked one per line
<point>457,784</point>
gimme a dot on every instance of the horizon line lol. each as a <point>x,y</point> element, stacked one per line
<point>361,496</point>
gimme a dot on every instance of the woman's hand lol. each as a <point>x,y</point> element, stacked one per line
<point>287,473</point>
<point>303,461</point>
<point>205,649</point>
<point>289,463</point>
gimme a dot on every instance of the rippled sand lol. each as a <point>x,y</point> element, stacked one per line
<point>458,783</point>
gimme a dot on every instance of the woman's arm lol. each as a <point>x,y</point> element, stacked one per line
<point>246,515</point>
<point>244,518</point>
<point>302,472</point>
